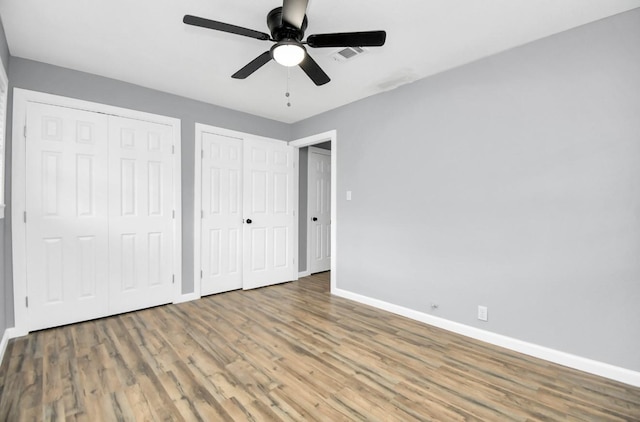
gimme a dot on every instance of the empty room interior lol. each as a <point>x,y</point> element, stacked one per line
<point>320,210</point>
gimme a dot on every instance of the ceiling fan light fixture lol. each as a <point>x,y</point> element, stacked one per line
<point>288,53</point>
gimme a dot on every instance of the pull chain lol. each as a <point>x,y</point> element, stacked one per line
<point>287,94</point>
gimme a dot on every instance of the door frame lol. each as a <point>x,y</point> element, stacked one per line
<point>309,228</point>
<point>21,99</point>
<point>201,128</point>
<point>331,136</point>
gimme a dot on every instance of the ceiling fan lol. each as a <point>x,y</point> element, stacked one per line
<point>287,25</point>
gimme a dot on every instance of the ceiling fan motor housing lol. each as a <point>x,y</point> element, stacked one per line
<point>280,30</point>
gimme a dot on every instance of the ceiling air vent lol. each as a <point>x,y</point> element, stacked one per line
<point>348,53</point>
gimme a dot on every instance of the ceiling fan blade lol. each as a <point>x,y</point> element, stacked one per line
<point>224,27</point>
<point>293,12</point>
<point>348,39</point>
<point>253,65</point>
<point>314,71</point>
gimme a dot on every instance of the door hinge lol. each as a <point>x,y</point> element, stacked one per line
<point>24,132</point>
<point>24,217</point>
<point>173,149</point>
<point>173,214</point>
<point>201,213</point>
<point>201,274</point>
<point>201,153</point>
<point>173,279</point>
<point>26,301</point>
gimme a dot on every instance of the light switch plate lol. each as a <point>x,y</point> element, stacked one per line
<point>483,313</point>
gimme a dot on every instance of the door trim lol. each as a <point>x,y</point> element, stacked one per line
<point>21,99</point>
<point>331,136</point>
<point>197,195</point>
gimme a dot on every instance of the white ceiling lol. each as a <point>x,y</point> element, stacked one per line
<point>145,42</point>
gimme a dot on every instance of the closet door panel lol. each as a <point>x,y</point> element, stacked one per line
<point>269,213</point>
<point>66,215</point>
<point>221,242</point>
<point>140,214</point>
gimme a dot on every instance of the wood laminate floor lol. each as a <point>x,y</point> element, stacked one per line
<point>289,352</point>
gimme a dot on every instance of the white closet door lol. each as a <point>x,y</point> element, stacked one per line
<point>268,213</point>
<point>66,206</point>
<point>319,210</point>
<point>221,235</point>
<point>140,214</point>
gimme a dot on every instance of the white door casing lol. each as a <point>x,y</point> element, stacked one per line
<point>221,232</point>
<point>66,207</point>
<point>331,136</point>
<point>73,181</point>
<point>319,210</point>
<point>269,231</point>
<point>140,214</point>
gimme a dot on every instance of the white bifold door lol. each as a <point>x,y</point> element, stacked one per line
<point>247,230</point>
<point>221,229</point>
<point>99,198</point>
<point>140,214</point>
<point>67,207</point>
<point>319,210</point>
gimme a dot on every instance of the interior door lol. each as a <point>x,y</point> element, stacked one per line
<point>221,235</point>
<point>319,210</point>
<point>66,215</point>
<point>268,234</point>
<point>140,214</point>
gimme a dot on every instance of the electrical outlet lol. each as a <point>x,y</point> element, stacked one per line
<point>483,313</point>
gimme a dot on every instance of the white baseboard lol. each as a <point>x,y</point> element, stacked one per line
<point>186,298</point>
<point>304,274</point>
<point>606,370</point>
<point>9,333</point>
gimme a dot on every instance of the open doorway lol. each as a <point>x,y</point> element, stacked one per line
<point>315,208</point>
<point>306,147</point>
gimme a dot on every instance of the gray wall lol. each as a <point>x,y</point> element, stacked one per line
<point>6,314</point>
<point>512,182</point>
<point>42,77</point>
